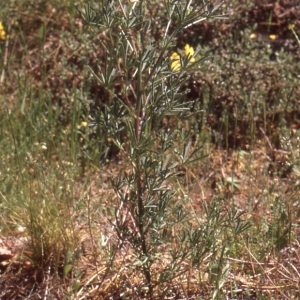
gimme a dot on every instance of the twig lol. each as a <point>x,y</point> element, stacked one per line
<point>267,139</point>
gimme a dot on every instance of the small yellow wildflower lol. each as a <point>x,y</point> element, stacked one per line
<point>189,52</point>
<point>291,26</point>
<point>84,124</point>
<point>175,57</point>
<point>14,23</point>
<point>273,37</point>
<point>2,32</point>
<point>253,36</point>
<point>175,65</point>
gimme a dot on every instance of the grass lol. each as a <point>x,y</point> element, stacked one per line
<point>57,206</point>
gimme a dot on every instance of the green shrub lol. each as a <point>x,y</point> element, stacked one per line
<point>142,80</point>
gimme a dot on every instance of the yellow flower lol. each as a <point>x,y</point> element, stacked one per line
<point>175,57</point>
<point>189,52</point>
<point>253,36</point>
<point>273,37</point>
<point>175,65</point>
<point>84,124</point>
<point>2,32</point>
<point>291,26</point>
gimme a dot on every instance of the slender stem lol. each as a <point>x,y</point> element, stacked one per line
<point>141,213</point>
<point>139,179</point>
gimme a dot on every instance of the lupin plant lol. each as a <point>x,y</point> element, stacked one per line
<point>148,217</point>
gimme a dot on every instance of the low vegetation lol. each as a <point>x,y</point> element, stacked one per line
<point>149,150</point>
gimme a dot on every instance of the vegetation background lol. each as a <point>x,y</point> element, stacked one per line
<point>57,207</point>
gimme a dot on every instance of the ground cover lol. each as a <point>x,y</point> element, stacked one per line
<point>58,208</point>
